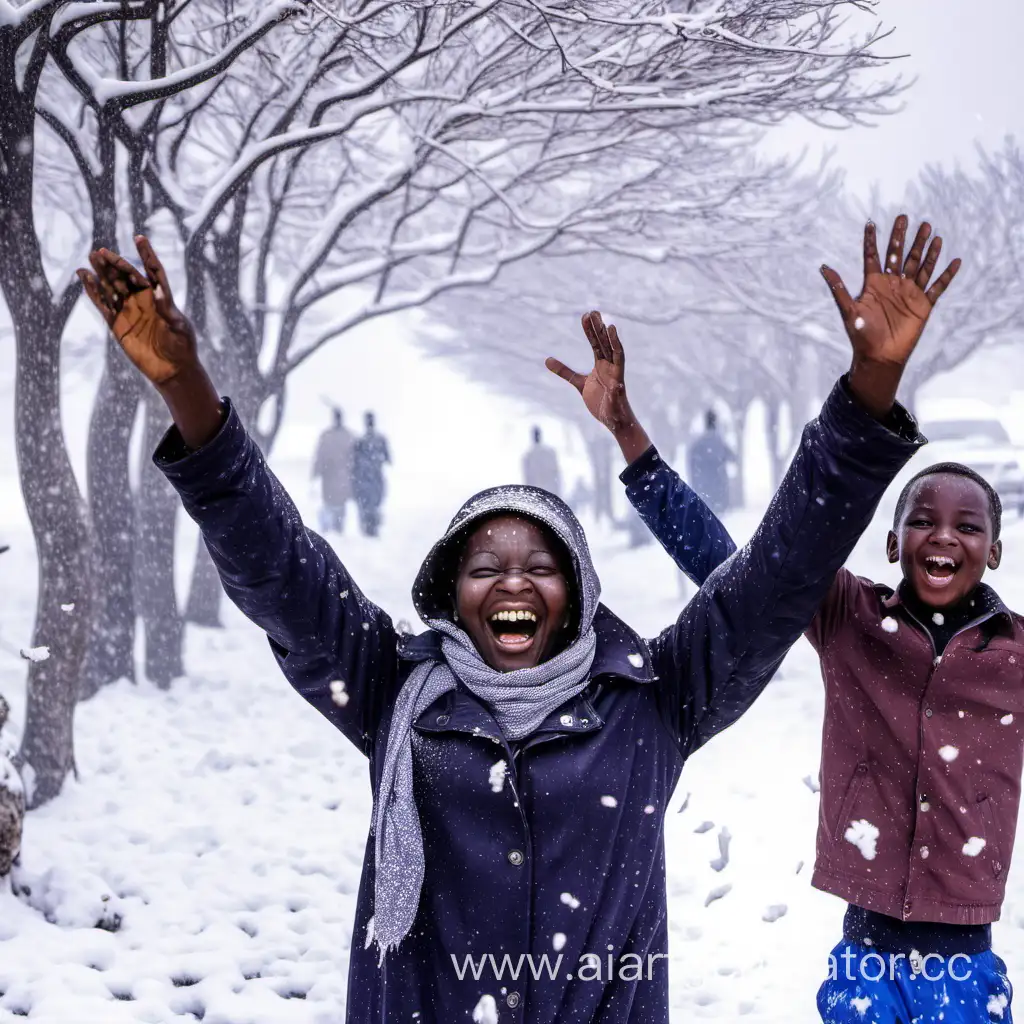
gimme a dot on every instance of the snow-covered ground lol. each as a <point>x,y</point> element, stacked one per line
<point>222,824</point>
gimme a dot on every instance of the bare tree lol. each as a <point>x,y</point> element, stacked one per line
<point>421,148</point>
<point>370,159</point>
<point>37,37</point>
<point>978,216</point>
<point>702,323</point>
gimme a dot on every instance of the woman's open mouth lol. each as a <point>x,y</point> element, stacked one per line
<point>939,570</point>
<point>514,629</point>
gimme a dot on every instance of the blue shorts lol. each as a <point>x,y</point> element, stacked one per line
<point>869,987</point>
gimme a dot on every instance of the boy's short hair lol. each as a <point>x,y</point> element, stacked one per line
<point>995,506</point>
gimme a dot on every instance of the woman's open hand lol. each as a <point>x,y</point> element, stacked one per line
<point>155,335</point>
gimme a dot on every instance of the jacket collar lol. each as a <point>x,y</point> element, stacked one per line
<point>620,651</point>
<point>459,711</point>
<point>989,604</point>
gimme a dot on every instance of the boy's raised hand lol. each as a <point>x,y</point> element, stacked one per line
<point>885,321</point>
<point>155,335</point>
<point>604,389</point>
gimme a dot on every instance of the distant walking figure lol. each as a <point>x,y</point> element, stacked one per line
<point>708,458</point>
<point>332,465</point>
<point>371,452</point>
<point>540,466</point>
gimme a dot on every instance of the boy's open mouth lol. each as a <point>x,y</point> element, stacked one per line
<point>514,628</point>
<point>940,569</point>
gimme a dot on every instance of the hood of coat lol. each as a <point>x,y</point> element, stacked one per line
<point>433,590</point>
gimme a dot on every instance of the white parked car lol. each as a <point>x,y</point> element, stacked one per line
<point>979,441</point>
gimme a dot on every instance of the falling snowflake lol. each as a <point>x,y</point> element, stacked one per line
<point>649,809</point>
<point>338,694</point>
<point>938,618</point>
<point>861,1004</point>
<point>948,753</point>
<point>609,801</point>
<point>889,624</point>
<point>1006,720</point>
<point>497,776</point>
<point>864,836</point>
<point>569,900</point>
<point>996,1004</point>
<point>859,323</point>
<point>486,1011</point>
<point>558,941</point>
<point>636,660</point>
<point>973,846</point>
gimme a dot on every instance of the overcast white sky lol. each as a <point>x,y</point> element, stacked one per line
<point>966,56</point>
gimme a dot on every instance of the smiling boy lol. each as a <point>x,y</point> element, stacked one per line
<point>922,752</point>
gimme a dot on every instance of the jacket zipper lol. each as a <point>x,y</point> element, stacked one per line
<point>936,660</point>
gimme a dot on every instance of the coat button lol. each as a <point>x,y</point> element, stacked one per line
<point>512,999</point>
<point>442,719</point>
<point>927,712</point>
<point>515,857</point>
<point>566,719</point>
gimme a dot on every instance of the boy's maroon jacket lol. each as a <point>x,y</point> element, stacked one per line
<point>927,751</point>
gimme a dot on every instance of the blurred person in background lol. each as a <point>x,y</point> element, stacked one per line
<point>371,453</point>
<point>333,467</point>
<point>708,459</point>
<point>540,466</point>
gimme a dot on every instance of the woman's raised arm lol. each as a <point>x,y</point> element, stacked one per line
<point>337,648</point>
<point>721,652</point>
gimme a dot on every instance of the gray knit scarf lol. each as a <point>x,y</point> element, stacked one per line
<point>520,699</point>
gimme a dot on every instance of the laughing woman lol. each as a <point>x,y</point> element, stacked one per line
<point>523,749</point>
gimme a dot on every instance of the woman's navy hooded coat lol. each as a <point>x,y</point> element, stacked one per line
<point>572,844</point>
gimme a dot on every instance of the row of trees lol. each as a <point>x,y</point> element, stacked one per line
<point>311,164</point>
<point>730,309</point>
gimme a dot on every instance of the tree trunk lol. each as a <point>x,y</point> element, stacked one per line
<point>739,418</point>
<point>773,430</point>
<point>154,563</point>
<point>599,450</point>
<point>110,653</point>
<point>241,379</point>
<point>203,608</point>
<point>56,511</point>
<point>60,526</point>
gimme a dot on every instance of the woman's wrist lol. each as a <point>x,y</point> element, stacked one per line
<point>194,404</point>
<point>874,385</point>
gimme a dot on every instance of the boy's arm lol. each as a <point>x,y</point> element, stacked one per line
<point>687,529</point>
<point>337,648</point>
<point>719,655</point>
